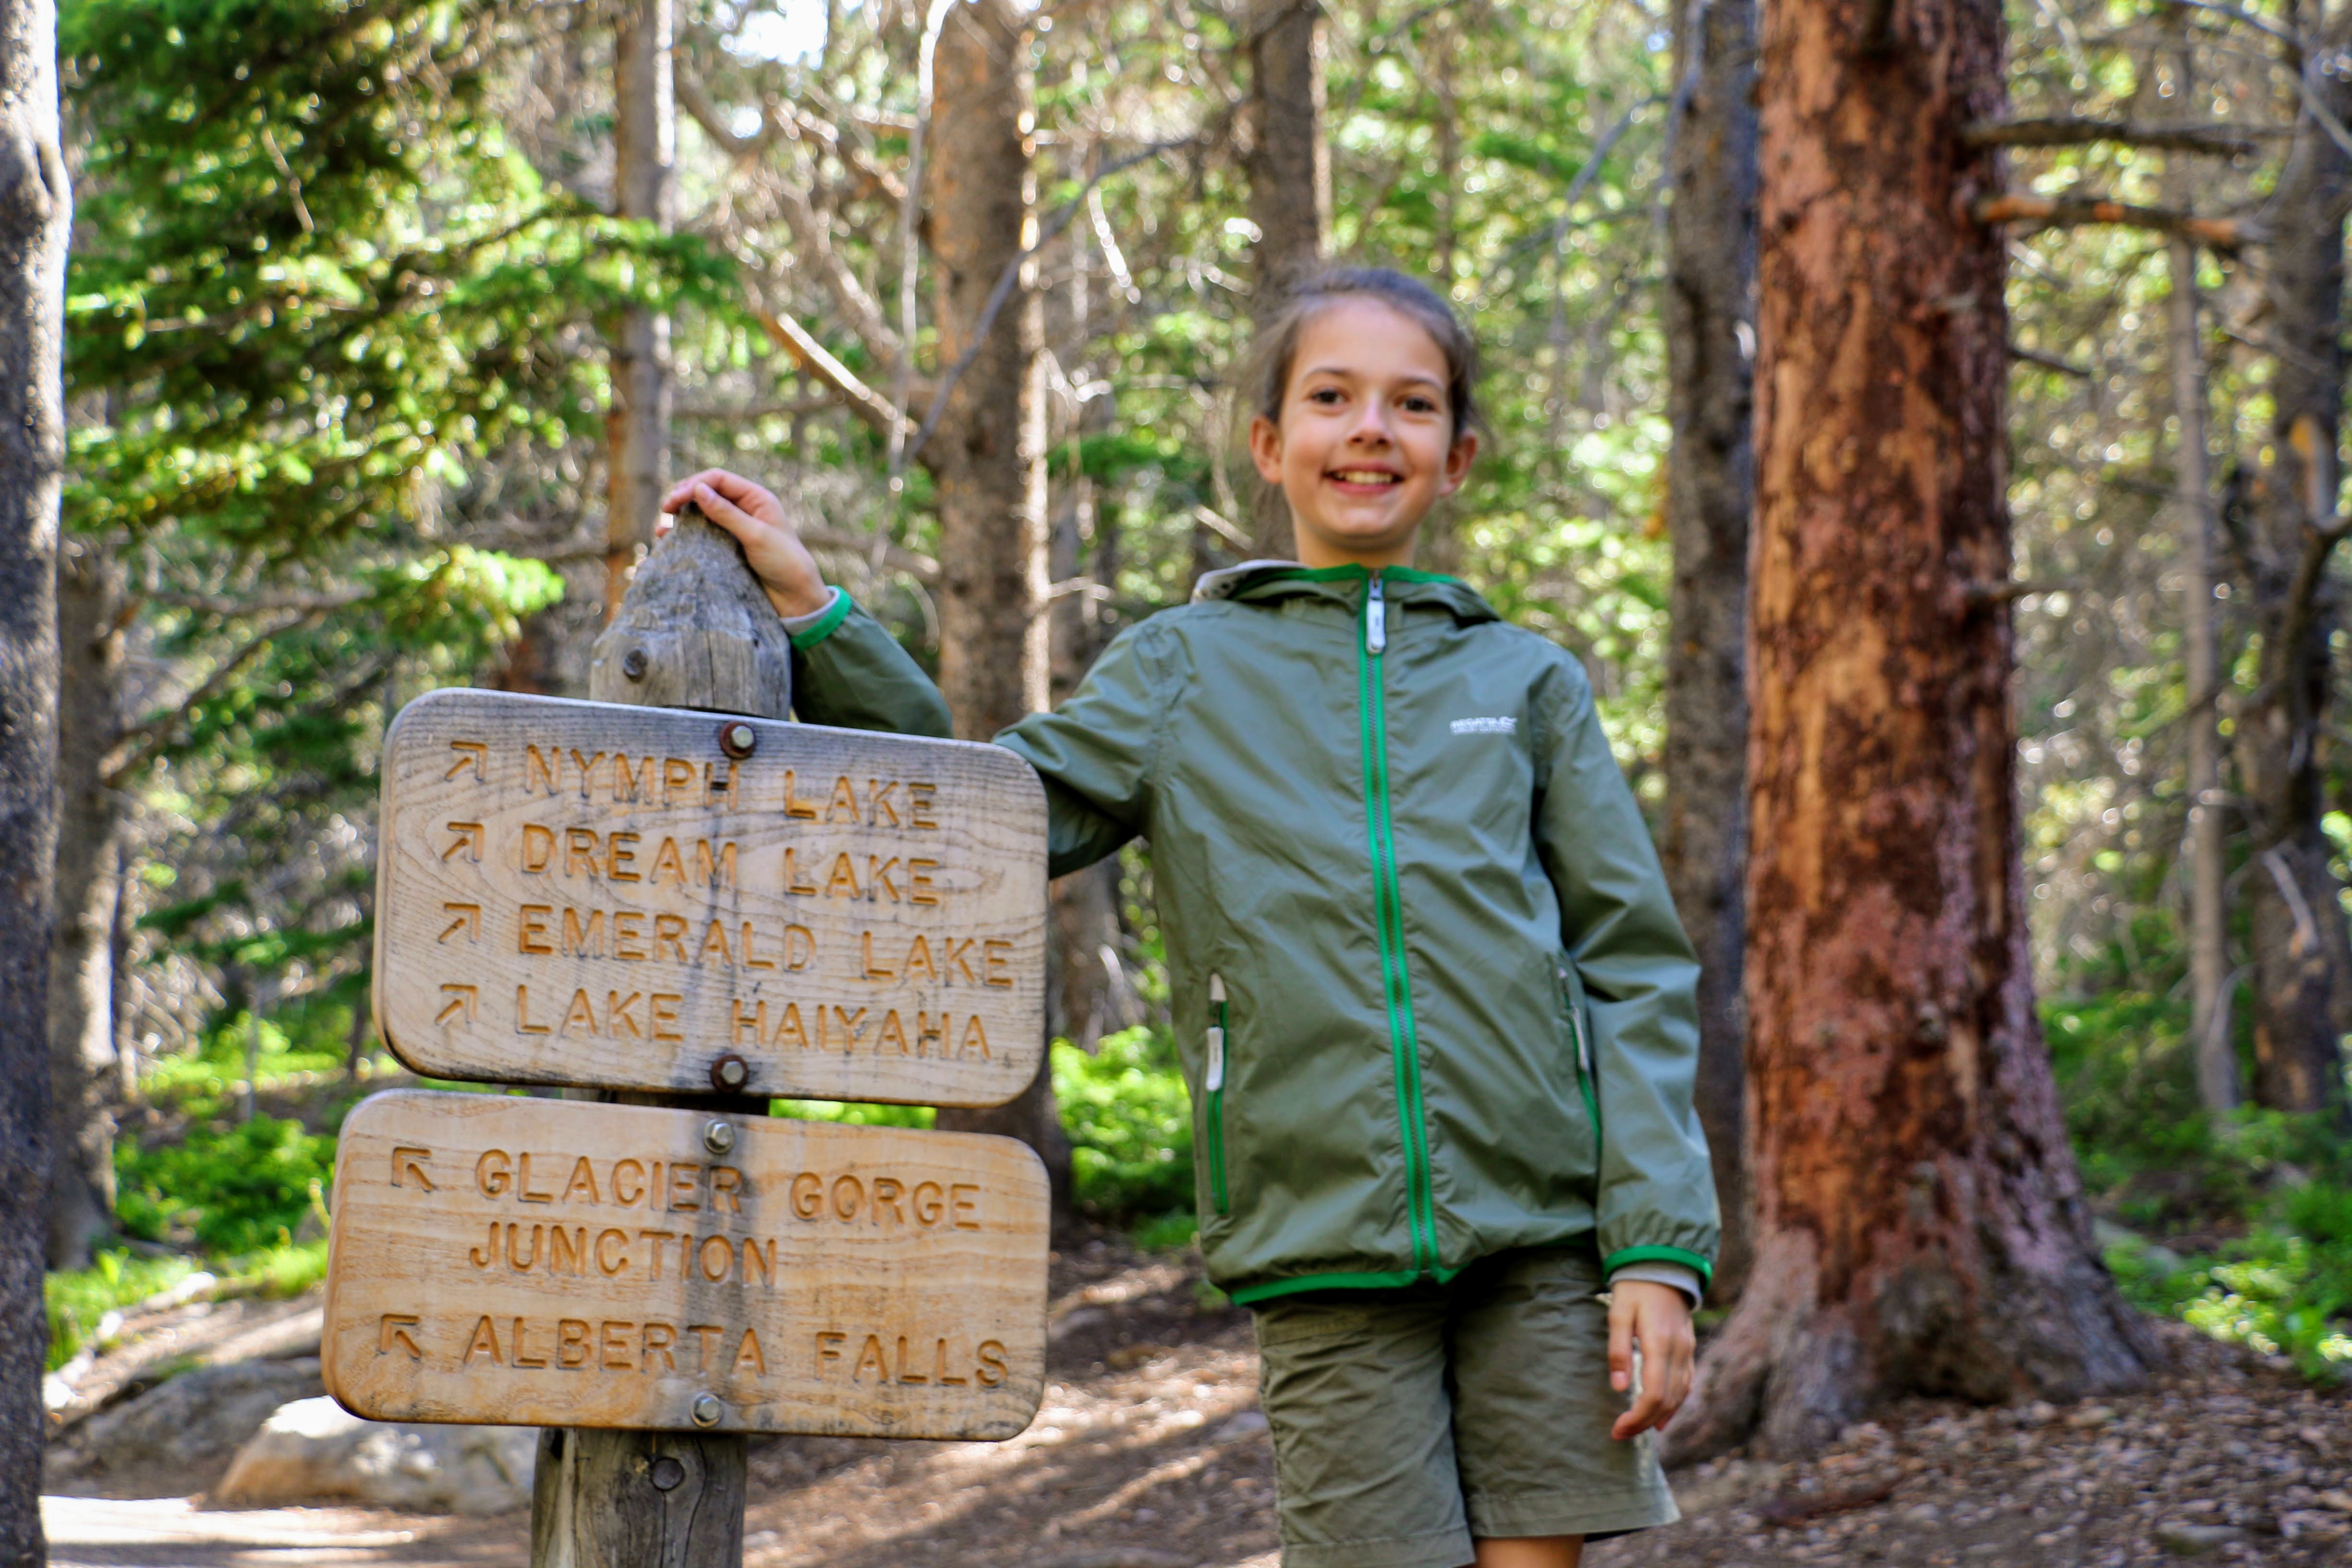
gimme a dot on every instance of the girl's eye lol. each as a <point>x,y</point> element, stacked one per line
<point>1421,405</point>
<point>1326,396</point>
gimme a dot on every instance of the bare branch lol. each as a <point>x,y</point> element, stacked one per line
<point>2076,131</point>
<point>852,155</point>
<point>229,607</point>
<point>705,114</point>
<point>2319,542</point>
<point>1046,232</point>
<point>914,564</point>
<point>2245,19</point>
<point>144,743</point>
<point>2047,362</point>
<point>791,408</point>
<point>1982,595</point>
<point>2221,234</point>
<point>811,356</point>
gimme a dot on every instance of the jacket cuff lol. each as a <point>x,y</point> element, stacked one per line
<point>807,631</point>
<point>1681,1277</point>
<point>1695,1262</point>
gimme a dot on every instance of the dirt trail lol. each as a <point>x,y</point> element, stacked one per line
<point>1149,1452</point>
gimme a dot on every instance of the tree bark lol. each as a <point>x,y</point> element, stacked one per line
<point>88,889</point>
<point>35,208</point>
<point>1920,1225</point>
<point>1710,399</point>
<point>2302,968</point>
<point>987,454</point>
<point>1289,165</point>
<point>645,149</point>
<point>2209,958</point>
<point>1088,993</point>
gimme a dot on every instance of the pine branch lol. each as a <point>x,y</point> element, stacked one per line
<point>2076,131</point>
<point>2223,234</point>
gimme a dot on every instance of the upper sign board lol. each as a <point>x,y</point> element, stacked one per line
<point>648,898</point>
<point>553,1263</point>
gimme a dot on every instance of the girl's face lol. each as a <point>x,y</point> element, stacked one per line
<point>1366,445</point>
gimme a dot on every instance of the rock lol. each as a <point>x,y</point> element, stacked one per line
<point>2196,1540</point>
<point>313,1449</point>
<point>196,1419</point>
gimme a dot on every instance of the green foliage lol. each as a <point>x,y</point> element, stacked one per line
<point>2260,1204</point>
<point>854,1114</point>
<point>232,1190</point>
<point>1130,1122</point>
<point>78,1302</point>
<point>310,271</point>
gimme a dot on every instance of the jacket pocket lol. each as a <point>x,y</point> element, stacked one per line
<point>1580,1029</point>
<point>1212,1082</point>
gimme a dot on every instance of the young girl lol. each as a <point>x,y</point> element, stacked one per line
<point>1436,1009</point>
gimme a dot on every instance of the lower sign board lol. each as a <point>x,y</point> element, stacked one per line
<point>556,1263</point>
<point>648,898</point>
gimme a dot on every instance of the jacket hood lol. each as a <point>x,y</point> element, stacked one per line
<point>1264,582</point>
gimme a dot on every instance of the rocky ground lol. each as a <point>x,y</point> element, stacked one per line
<point>1149,1452</point>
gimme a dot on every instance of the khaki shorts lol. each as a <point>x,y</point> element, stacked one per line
<point>1408,1421</point>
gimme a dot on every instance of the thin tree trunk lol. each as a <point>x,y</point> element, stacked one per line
<point>2208,960</point>
<point>644,136</point>
<point>2302,968</point>
<point>88,889</point>
<point>988,455</point>
<point>1710,304</point>
<point>1086,991</point>
<point>1920,1225</point>
<point>35,208</point>
<point>1289,168</point>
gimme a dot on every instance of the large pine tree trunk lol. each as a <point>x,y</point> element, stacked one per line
<point>35,210</point>
<point>987,454</point>
<point>1920,1223</point>
<point>645,152</point>
<point>1289,168</point>
<point>87,889</point>
<point>1710,335</point>
<point>2302,968</point>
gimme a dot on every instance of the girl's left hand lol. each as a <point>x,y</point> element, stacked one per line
<point>1656,1318</point>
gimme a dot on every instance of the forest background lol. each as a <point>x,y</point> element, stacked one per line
<point>380,333</point>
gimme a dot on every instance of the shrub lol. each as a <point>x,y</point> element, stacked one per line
<point>1130,1122</point>
<point>232,1190</point>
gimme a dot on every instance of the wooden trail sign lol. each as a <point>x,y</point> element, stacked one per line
<point>600,895</point>
<point>535,1262</point>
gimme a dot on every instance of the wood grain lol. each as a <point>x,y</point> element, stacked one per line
<point>590,894</point>
<point>556,1263</point>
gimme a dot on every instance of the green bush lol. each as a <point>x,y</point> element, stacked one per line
<point>1130,1122</point>
<point>227,1190</point>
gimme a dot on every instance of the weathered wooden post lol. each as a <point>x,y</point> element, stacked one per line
<point>678,908</point>
<point>694,631</point>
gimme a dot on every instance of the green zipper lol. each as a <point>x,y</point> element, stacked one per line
<point>1387,914</point>
<point>1214,1080</point>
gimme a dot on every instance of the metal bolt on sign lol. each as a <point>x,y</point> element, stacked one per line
<point>718,1138</point>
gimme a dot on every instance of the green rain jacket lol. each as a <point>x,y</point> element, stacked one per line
<point>1432,996</point>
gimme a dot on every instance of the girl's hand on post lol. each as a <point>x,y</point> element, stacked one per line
<point>758,519</point>
<point>1657,1319</point>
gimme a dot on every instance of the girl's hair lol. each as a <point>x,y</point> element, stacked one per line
<point>1266,372</point>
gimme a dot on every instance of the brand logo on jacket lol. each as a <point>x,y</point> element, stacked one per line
<point>1504,725</point>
